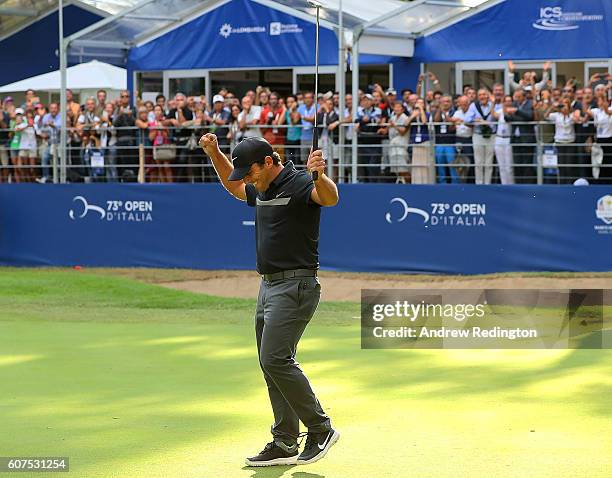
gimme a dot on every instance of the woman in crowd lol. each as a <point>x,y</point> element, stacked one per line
<point>15,145</point>
<point>398,143</point>
<point>261,96</point>
<point>142,138</point>
<point>108,140</point>
<point>28,148</point>
<point>423,171</point>
<point>42,134</point>
<point>163,151</point>
<point>235,133</point>
<point>150,114</point>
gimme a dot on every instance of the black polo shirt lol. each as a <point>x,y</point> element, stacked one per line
<point>286,222</point>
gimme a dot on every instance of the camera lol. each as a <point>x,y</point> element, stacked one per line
<point>486,131</point>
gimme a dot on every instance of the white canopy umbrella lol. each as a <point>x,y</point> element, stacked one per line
<point>84,76</point>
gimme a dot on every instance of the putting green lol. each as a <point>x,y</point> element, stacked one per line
<point>134,380</point>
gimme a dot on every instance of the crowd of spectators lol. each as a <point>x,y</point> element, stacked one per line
<point>419,137</point>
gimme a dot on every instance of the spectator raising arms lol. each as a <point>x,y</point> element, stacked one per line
<point>423,169</point>
<point>249,118</point>
<point>565,127</point>
<point>565,135</point>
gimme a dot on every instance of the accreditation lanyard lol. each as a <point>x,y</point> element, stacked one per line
<point>443,126</point>
<point>418,138</point>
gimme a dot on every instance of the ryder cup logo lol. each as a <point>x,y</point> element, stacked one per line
<point>439,214</point>
<point>555,19</point>
<point>604,209</point>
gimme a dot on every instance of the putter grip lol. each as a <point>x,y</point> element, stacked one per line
<point>315,146</point>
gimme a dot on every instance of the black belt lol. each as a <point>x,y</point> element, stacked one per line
<point>290,274</point>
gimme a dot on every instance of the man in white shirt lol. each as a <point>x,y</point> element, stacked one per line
<point>249,118</point>
<point>528,78</point>
<point>479,114</point>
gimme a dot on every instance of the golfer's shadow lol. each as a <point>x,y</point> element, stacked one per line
<point>278,471</point>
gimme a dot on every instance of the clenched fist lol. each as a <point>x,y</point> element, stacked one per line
<point>209,143</point>
<point>316,162</point>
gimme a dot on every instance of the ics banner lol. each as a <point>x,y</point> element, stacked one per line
<point>375,227</point>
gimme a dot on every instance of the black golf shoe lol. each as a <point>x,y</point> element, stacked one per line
<point>275,454</point>
<point>317,446</point>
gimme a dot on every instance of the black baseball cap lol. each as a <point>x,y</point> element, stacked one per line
<point>247,152</point>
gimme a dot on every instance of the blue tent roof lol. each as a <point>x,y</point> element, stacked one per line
<point>256,36</point>
<point>33,50</point>
<point>525,30</point>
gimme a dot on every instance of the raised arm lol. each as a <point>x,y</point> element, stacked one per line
<point>222,165</point>
<point>325,191</point>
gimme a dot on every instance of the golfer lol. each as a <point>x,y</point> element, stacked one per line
<point>287,212</point>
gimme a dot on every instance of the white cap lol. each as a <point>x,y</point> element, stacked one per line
<point>581,182</point>
<point>218,99</point>
<point>19,111</point>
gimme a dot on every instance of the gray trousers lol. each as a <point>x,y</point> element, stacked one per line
<point>284,308</point>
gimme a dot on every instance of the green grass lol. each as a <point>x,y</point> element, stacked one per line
<point>134,380</point>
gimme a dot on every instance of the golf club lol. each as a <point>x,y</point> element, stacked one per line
<point>315,133</point>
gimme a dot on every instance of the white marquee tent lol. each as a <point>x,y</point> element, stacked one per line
<point>85,77</point>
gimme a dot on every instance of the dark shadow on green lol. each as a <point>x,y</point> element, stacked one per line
<point>268,471</point>
<point>305,474</point>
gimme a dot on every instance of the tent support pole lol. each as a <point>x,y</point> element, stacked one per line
<point>63,110</point>
<point>355,94</point>
<point>341,94</point>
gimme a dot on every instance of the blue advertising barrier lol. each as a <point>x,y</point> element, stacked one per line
<point>375,227</point>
